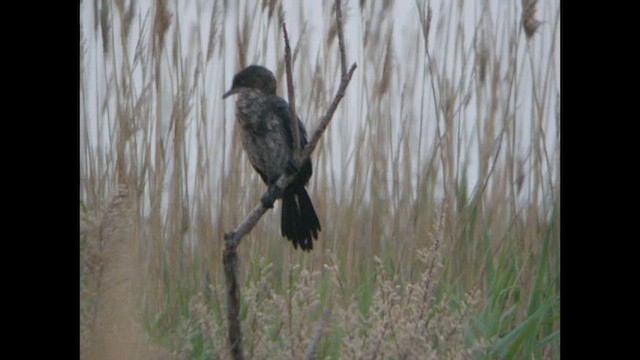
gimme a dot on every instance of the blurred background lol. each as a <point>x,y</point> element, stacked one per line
<point>439,173</point>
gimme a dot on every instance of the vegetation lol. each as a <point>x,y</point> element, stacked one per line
<point>436,183</point>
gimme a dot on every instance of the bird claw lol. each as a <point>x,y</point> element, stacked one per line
<point>273,192</point>
<point>292,167</point>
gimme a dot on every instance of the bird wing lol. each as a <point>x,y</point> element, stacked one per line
<point>281,109</point>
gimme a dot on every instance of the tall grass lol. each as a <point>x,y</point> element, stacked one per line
<point>447,139</point>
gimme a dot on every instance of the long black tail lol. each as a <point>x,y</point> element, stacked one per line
<point>299,222</point>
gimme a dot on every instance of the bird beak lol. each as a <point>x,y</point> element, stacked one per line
<point>229,93</point>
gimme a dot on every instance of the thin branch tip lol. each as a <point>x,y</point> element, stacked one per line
<point>292,99</point>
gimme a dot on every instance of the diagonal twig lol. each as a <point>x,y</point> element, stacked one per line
<point>292,98</point>
<point>343,53</point>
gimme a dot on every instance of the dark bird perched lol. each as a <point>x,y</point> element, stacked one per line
<point>265,129</point>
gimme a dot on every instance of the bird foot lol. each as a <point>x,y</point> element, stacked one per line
<point>292,167</point>
<point>273,192</point>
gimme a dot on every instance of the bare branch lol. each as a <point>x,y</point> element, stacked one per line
<point>233,238</point>
<point>231,269</point>
<point>292,99</point>
<point>343,53</point>
<point>326,118</point>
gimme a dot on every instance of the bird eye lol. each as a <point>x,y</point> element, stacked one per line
<point>240,81</point>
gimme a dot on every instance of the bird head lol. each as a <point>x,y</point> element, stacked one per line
<point>253,77</point>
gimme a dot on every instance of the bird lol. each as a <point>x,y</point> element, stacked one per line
<point>265,129</point>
